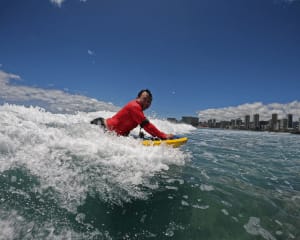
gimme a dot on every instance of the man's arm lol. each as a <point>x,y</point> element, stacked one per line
<point>140,118</point>
<point>151,129</point>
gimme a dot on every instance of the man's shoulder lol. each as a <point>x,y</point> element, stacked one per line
<point>134,104</point>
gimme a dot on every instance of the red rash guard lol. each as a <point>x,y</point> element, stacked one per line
<point>128,118</point>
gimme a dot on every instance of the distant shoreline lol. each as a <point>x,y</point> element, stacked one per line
<point>253,130</point>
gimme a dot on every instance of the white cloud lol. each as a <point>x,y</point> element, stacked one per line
<point>5,77</point>
<point>51,100</point>
<point>90,52</point>
<point>60,2</point>
<point>264,110</point>
<point>57,2</point>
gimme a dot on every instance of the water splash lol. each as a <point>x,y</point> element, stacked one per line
<point>74,158</point>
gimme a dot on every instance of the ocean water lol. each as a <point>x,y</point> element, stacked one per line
<point>63,178</point>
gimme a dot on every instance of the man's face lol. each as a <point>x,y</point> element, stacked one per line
<point>145,100</point>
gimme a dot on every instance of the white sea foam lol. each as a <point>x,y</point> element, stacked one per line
<point>253,227</point>
<point>208,155</point>
<point>207,188</point>
<point>184,203</point>
<point>200,207</point>
<point>14,226</point>
<point>203,173</point>
<point>75,158</point>
<point>172,188</point>
<point>225,212</point>
<point>172,180</point>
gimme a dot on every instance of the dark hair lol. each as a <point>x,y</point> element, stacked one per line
<point>145,90</point>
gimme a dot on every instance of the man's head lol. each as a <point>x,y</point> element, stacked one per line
<point>145,98</point>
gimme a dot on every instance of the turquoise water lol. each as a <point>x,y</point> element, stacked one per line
<point>70,181</point>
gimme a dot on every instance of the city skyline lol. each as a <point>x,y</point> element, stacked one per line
<point>264,110</point>
<point>273,124</point>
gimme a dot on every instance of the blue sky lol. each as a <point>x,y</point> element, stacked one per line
<point>193,55</point>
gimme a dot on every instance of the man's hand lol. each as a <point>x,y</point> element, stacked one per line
<point>170,136</point>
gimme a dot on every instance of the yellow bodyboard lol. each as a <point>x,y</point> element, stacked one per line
<point>177,142</point>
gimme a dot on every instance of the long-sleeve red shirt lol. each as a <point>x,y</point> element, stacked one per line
<point>128,118</point>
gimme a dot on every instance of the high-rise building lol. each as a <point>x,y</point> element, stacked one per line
<point>173,120</point>
<point>256,121</point>
<point>214,122</point>
<point>232,123</point>
<point>247,121</point>
<point>238,122</point>
<point>283,124</point>
<point>190,120</point>
<point>274,121</point>
<point>290,121</point>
